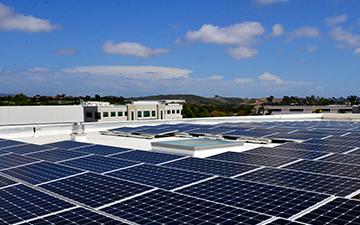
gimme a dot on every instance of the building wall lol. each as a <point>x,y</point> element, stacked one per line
<point>17,115</point>
<point>173,111</point>
<point>105,113</point>
<point>308,109</point>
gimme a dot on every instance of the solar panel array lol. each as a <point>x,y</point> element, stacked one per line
<point>313,182</point>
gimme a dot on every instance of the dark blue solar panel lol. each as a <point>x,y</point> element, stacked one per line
<point>315,147</point>
<point>158,176</point>
<point>326,184</point>
<point>263,160</point>
<point>94,190</point>
<point>8,143</point>
<point>163,207</point>
<point>209,166</point>
<point>57,155</point>
<point>78,216</point>
<point>29,148</point>
<point>19,203</point>
<point>335,142</point>
<point>69,144</point>
<point>292,153</point>
<point>272,200</point>
<point>249,133</point>
<point>2,152</point>
<point>283,222</point>
<point>343,158</point>
<point>98,164</point>
<point>40,172</point>
<point>213,131</point>
<point>147,156</point>
<point>6,181</point>
<point>102,150</point>
<point>11,160</point>
<point>339,211</point>
<point>328,168</point>
<point>155,131</point>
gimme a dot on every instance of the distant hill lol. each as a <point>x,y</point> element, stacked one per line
<point>4,94</point>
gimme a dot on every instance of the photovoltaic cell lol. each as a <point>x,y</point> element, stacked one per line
<point>5,182</point>
<point>77,216</point>
<point>11,160</point>
<point>335,142</point>
<point>94,190</point>
<point>339,211</point>
<point>210,166</point>
<point>343,158</point>
<point>339,186</point>
<point>163,207</point>
<point>40,172</point>
<point>69,144</point>
<point>19,203</point>
<point>292,153</point>
<point>327,168</point>
<point>101,150</point>
<point>8,143</point>
<point>147,156</point>
<point>158,176</point>
<point>29,148</point>
<point>272,200</point>
<point>263,160</point>
<point>283,222</point>
<point>98,164</point>
<point>316,147</point>
<point>57,155</point>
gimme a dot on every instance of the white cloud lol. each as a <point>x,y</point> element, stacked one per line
<point>38,70</point>
<point>357,51</point>
<point>269,77</point>
<point>242,52</point>
<point>332,21</point>
<point>269,2</point>
<point>133,72</point>
<point>236,34</point>
<point>66,51</point>
<point>312,49</point>
<point>306,32</point>
<point>345,38</point>
<point>277,30</point>
<point>12,21</point>
<point>215,77</point>
<point>132,48</point>
<point>241,80</point>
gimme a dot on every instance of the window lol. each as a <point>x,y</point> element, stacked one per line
<point>113,114</point>
<point>125,113</point>
<point>88,114</point>
<point>173,111</point>
<point>146,113</point>
<point>178,111</point>
<point>120,113</point>
<point>98,116</point>
<point>168,112</point>
<point>296,110</point>
<point>105,114</point>
<point>139,114</point>
<point>153,113</point>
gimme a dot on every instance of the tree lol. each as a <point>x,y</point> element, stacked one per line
<point>270,99</point>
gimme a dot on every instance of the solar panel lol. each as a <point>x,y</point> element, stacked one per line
<point>98,164</point>
<point>8,143</point>
<point>335,142</point>
<point>101,150</point>
<point>296,136</point>
<point>283,222</point>
<point>163,207</point>
<point>339,211</point>
<point>328,168</point>
<point>248,133</point>
<point>77,216</point>
<point>158,176</point>
<point>355,152</point>
<point>326,184</point>
<point>156,131</point>
<point>147,156</point>
<point>29,148</point>
<point>272,200</point>
<point>5,182</point>
<point>262,160</point>
<point>19,203</point>
<point>2,152</point>
<point>57,155</point>
<point>343,158</point>
<point>316,147</point>
<point>94,190</point>
<point>40,172</point>
<point>69,144</point>
<point>213,131</point>
<point>11,160</point>
<point>209,166</point>
<point>292,153</point>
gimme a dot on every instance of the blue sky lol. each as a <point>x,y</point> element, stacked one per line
<point>244,48</point>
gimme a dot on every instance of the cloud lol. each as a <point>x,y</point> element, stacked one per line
<point>357,51</point>
<point>132,48</point>
<point>269,77</point>
<point>66,51</point>
<point>215,77</point>
<point>269,2</point>
<point>12,21</point>
<point>305,32</point>
<point>236,34</point>
<point>345,38</point>
<point>38,70</point>
<point>332,21</point>
<point>132,72</point>
<point>241,80</point>
<point>242,52</point>
<point>312,49</point>
<point>277,30</point>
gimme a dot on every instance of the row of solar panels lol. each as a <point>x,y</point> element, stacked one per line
<point>98,177</point>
